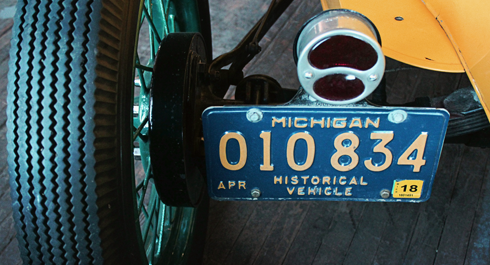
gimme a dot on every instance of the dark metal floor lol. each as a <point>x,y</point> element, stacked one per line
<point>453,227</point>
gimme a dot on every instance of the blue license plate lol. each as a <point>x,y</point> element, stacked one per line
<point>305,153</point>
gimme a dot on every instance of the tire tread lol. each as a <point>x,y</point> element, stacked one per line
<point>63,136</point>
<point>48,143</point>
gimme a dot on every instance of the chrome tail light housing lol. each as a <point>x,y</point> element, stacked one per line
<point>339,57</point>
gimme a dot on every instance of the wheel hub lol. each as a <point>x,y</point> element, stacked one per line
<point>175,119</point>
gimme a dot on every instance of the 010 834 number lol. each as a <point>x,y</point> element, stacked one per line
<point>341,149</point>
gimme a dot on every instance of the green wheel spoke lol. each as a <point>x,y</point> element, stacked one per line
<point>160,231</point>
<point>140,73</point>
<point>138,188</point>
<point>145,186</point>
<point>153,201</point>
<point>145,68</point>
<point>145,212</point>
<point>162,8</point>
<point>140,128</point>
<point>151,254</point>
<point>152,25</point>
<point>154,247</point>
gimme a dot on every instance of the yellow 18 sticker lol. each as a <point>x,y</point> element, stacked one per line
<point>408,189</point>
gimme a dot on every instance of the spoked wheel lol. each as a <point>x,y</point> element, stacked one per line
<point>79,99</point>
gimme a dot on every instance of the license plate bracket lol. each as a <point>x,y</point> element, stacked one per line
<point>311,153</point>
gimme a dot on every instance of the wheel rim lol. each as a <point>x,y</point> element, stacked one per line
<point>165,230</point>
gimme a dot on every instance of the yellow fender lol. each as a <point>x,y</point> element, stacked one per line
<point>440,35</point>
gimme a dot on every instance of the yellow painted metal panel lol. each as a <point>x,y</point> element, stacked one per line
<point>467,25</point>
<point>468,22</point>
<point>417,40</point>
<point>481,76</point>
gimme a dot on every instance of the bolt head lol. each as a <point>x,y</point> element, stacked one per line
<point>254,115</point>
<point>397,116</point>
<point>308,75</point>
<point>373,77</point>
<point>399,18</point>
<point>255,193</point>
<point>385,194</point>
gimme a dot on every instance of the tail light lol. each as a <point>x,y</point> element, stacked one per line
<point>339,57</point>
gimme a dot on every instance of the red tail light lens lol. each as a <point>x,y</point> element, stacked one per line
<point>339,57</point>
<point>343,51</point>
<point>338,87</point>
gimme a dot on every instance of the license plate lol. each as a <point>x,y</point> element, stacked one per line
<point>305,153</point>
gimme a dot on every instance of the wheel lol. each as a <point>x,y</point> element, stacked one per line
<point>78,106</point>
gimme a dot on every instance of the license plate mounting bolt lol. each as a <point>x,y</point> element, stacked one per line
<point>254,115</point>
<point>385,194</point>
<point>255,193</point>
<point>397,116</point>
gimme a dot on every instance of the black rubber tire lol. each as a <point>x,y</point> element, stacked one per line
<point>69,114</point>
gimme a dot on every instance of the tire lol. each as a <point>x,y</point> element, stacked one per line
<point>70,154</point>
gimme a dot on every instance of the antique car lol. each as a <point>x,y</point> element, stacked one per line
<point>121,125</point>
